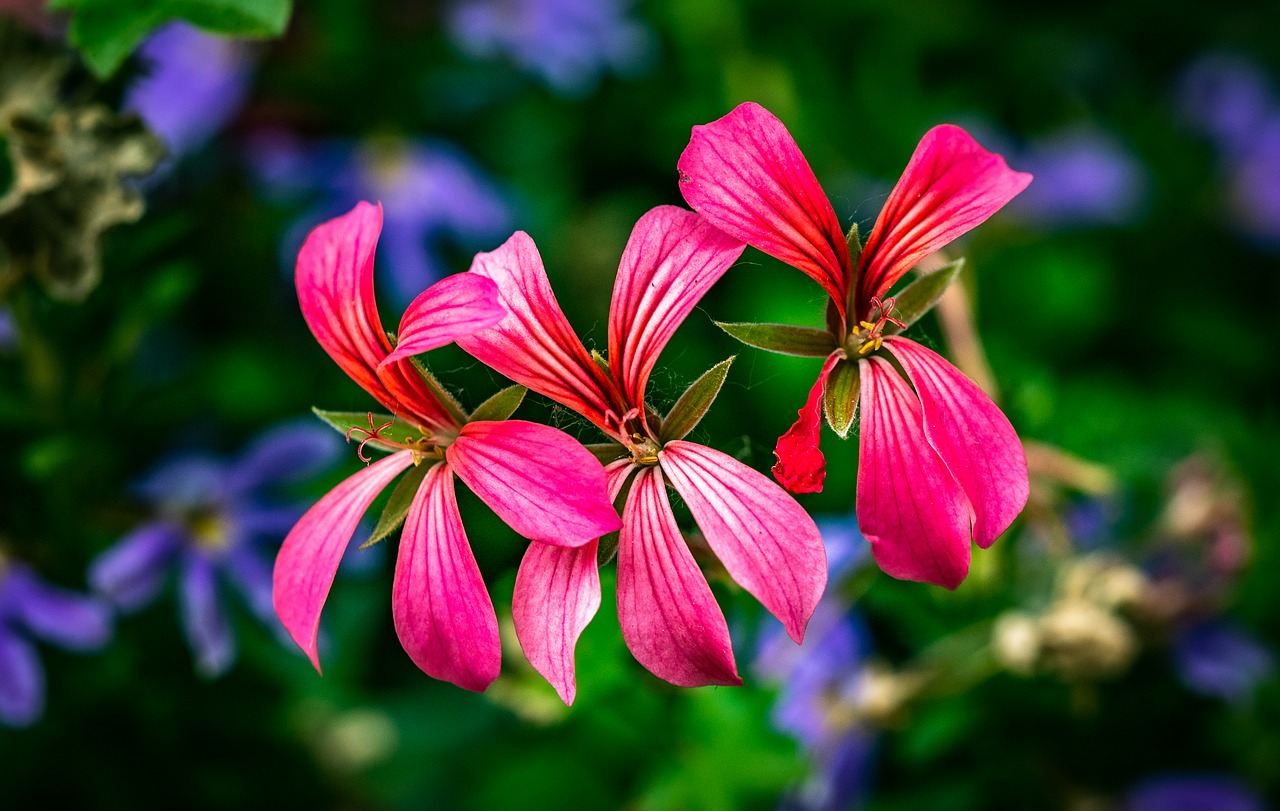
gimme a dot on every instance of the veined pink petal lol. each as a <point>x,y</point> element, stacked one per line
<point>335,288</point>
<point>801,468</point>
<point>765,540</point>
<point>909,506</point>
<point>557,593</point>
<point>671,260</point>
<point>973,437</point>
<point>669,617</point>
<point>746,175</point>
<point>442,611</point>
<point>455,305</point>
<point>534,345</point>
<point>539,480</point>
<point>950,186</point>
<point>313,549</point>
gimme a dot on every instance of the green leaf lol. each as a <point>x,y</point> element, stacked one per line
<point>344,421</point>
<point>693,404</point>
<point>500,406</point>
<point>921,295</point>
<point>607,452</point>
<point>840,396</point>
<point>397,508</point>
<point>107,31</point>
<point>784,339</point>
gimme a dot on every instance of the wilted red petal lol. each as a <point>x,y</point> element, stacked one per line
<point>909,506</point>
<point>539,480</point>
<point>746,175</point>
<point>669,617</point>
<point>671,260</point>
<point>801,467</point>
<point>557,593</point>
<point>950,186</point>
<point>972,435</point>
<point>442,611</point>
<point>454,306</point>
<point>765,540</point>
<point>335,288</point>
<point>534,344</point>
<point>311,552</point>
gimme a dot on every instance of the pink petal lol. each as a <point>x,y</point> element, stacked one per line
<point>766,541</point>
<point>534,345</point>
<point>950,186</point>
<point>442,611</point>
<point>973,437</point>
<point>557,593</point>
<point>671,260</point>
<point>909,506</point>
<point>454,306</point>
<point>539,480</point>
<point>746,175</point>
<point>335,288</point>
<point>669,617</point>
<point>801,467</point>
<point>314,548</point>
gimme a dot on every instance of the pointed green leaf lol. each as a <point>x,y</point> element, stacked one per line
<point>921,295</point>
<point>397,508</point>
<point>693,404</point>
<point>607,452</point>
<point>501,405</point>
<point>345,421</point>
<point>840,396</point>
<point>784,339</point>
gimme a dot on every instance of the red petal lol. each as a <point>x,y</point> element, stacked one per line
<point>801,468</point>
<point>452,307</point>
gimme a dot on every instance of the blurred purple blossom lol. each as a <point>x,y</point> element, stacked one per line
<point>215,521</point>
<point>8,329</point>
<point>1255,185</point>
<point>430,192</point>
<point>1227,98</point>
<point>569,44</point>
<point>31,609</point>
<point>193,84</point>
<point>1193,793</point>
<point>1082,177</point>
<point>1222,660</point>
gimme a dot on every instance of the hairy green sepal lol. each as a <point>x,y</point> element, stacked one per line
<point>692,406</point>
<point>397,508</point>
<point>922,295</point>
<point>500,406</point>
<point>840,396</point>
<point>784,339</point>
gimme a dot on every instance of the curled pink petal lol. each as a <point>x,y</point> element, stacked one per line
<point>454,306</point>
<point>765,540</point>
<point>973,437</point>
<point>950,186</point>
<point>335,288</point>
<point>746,175</point>
<point>534,344</point>
<point>671,260</point>
<point>801,467</point>
<point>669,617</point>
<point>311,552</point>
<point>442,611</point>
<point>909,506</point>
<point>539,480</point>
<point>557,593</point>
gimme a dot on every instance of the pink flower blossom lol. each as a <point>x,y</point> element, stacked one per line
<point>939,462</point>
<point>767,543</point>
<point>543,483</point>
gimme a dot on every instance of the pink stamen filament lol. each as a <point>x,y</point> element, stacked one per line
<point>421,447</point>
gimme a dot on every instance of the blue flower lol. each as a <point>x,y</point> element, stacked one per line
<point>1217,658</point>
<point>1192,792</point>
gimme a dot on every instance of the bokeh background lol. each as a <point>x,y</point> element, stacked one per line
<point>1115,650</point>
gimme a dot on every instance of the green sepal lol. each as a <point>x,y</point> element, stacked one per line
<point>442,394</point>
<point>607,452</point>
<point>344,421</point>
<point>500,406</point>
<point>397,508</point>
<point>922,295</point>
<point>840,396</point>
<point>601,361</point>
<point>855,244</point>
<point>692,406</point>
<point>785,339</point>
<point>608,546</point>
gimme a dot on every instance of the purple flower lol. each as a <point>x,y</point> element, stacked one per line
<point>195,82</point>
<point>8,330</point>
<point>214,519</point>
<point>1226,97</point>
<point>1254,182</point>
<point>1219,659</point>
<point>32,609</point>
<point>431,194</point>
<point>569,44</point>
<point>1083,177</point>
<point>1192,793</point>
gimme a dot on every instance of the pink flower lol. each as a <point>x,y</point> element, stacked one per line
<point>539,480</point>
<point>767,543</point>
<point>939,462</point>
